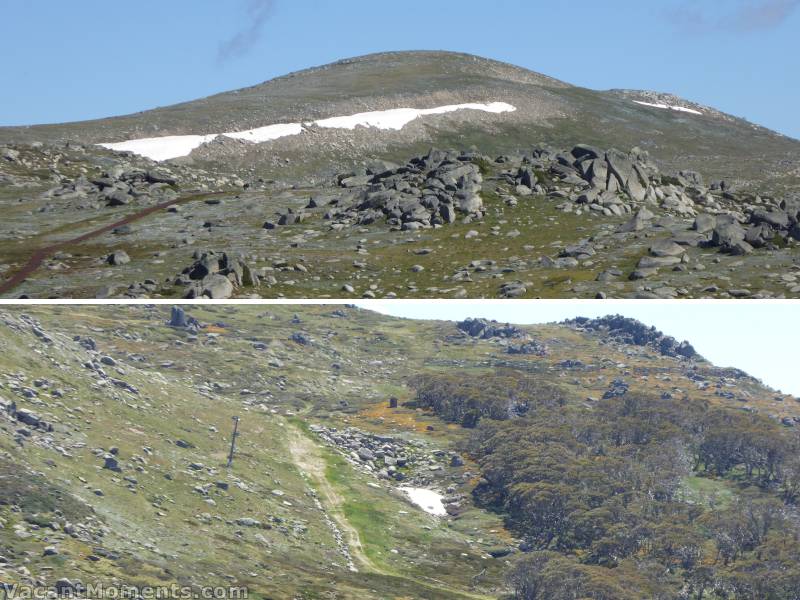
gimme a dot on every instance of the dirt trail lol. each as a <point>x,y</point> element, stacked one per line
<point>308,458</point>
<point>39,256</point>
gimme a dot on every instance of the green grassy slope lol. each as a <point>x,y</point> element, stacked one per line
<point>173,514</point>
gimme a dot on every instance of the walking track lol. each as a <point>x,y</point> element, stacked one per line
<point>308,458</point>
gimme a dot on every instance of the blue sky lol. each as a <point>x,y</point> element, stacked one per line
<point>758,337</point>
<point>80,59</point>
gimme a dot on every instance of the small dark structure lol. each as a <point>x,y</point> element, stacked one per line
<point>233,440</point>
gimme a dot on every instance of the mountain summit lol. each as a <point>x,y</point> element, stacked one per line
<point>676,132</point>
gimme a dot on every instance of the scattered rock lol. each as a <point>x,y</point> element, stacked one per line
<point>120,257</point>
<point>217,287</point>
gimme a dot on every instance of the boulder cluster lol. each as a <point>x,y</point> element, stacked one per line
<point>216,275</point>
<point>429,190</point>
<point>610,182</point>
<point>388,457</point>
<point>212,274</point>
<point>24,416</point>
<point>98,364</point>
<point>624,330</point>
<point>614,183</point>
<point>617,389</point>
<point>484,329</point>
<point>384,455</point>
<point>118,186</point>
<point>765,226</point>
<point>531,347</point>
<point>492,330</point>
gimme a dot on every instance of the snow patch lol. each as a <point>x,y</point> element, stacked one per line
<point>397,118</point>
<point>162,148</point>
<point>268,133</point>
<point>428,500</point>
<point>669,106</point>
<point>169,147</point>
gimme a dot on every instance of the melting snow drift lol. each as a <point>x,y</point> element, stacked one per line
<point>166,148</point>
<point>670,107</point>
<point>398,118</point>
<point>162,148</point>
<point>265,134</point>
<point>427,500</point>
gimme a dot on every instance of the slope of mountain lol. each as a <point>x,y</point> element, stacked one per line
<point>551,190</point>
<point>357,431</point>
<point>548,111</point>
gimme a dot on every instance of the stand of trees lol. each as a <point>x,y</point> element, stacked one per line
<point>601,496</point>
<point>466,400</point>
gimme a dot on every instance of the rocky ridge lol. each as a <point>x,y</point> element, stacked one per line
<point>515,340</point>
<point>624,330</point>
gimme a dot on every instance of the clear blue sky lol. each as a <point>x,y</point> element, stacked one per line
<point>760,338</point>
<point>68,60</point>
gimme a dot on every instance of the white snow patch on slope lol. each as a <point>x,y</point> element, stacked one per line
<point>268,133</point>
<point>169,147</point>
<point>397,118</point>
<point>162,148</point>
<point>670,107</point>
<point>428,500</point>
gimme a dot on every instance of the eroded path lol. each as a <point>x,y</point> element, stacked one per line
<point>308,458</point>
<point>39,256</point>
<point>310,461</point>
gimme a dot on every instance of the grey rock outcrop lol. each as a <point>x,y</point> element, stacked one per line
<point>630,331</point>
<point>429,190</point>
<point>485,329</point>
<point>216,276</point>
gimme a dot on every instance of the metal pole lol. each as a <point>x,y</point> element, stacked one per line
<point>233,440</point>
